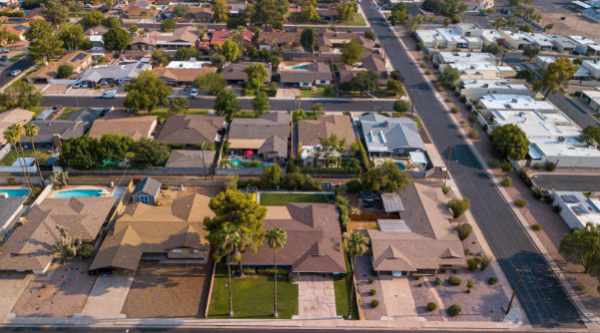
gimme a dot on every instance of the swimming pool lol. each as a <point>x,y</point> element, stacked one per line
<point>14,192</point>
<point>80,193</point>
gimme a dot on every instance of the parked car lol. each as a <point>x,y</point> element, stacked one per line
<point>110,94</point>
<point>15,72</point>
<point>194,92</point>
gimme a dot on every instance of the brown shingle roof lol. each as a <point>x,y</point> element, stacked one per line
<point>310,132</point>
<point>134,127</point>
<point>191,129</point>
<point>182,75</point>
<point>236,71</point>
<point>311,71</point>
<point>314,239</point>
<point>271,131</point>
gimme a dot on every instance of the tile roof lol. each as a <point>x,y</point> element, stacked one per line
<point>266,133</point>
<point>310,132</point>
<point>134,127</point>
<point>11,117</point>
<point>191,129</point>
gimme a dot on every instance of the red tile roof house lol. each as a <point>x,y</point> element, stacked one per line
<point>315,240</point>
<point>218,37</point>
<point>304,74</point>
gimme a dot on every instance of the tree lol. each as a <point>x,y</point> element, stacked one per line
<point>582,247</point>
<point>271,177</point>
<point>185,53</point>
<point>364,81</point>
<point>168,25</point>
<point>148,152</point>
<point>220,11</point>
<point>271,13</point>
<point>44,44</point>
<point>21,94</point>
<point>401,106</point>
<point>12,135</point>
<point>356,244</point>
<point>352,52</point>
<point>226,241</point>
<point>112,22</point>
<point>7,37</point>
<point>556,76</point>
<point>72,36</point>
<point>500,22</point>
<point>146,92</point>
<point>113,148</point>
<point>226,104</point>
<point>64,71</point>
<point>260,104</point>
<point>591,136</point>
<point>450,77</point>
<point>257,75</point>
<point>276,239</point>
<point>79,153</point>
<point>414,22</point>
<point>399,14</point>
<point>458,207</point>
<point>384,178</point>
<point>230,50</point>
<point>212,83</point>
<point>395,87</point>
<point>347,10</point>
<point>307,39</point>
<point>309,12</point>
<point>510,142</point>
<point>159,57</point>
<point>55,12</point>
<point>92,19</point>
<point>116,39</point>
<point>531,51</point>
<point>331,149</point>
<point>177,104</point>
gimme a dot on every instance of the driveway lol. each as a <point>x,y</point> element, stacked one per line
<point>316,297</point>
<point>12,285</point>
<point>398,298</point>
<point>108,296</point>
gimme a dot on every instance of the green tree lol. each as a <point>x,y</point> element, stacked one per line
<point>271,177</point>
<point>331,150</point>
<point>79,153</point>
<point>44,44</point>
<point>55,12</point>
<point>185,53</point>
<point>591,136</point>
<point>450,77</point>
<point>226,242</point>
<point>347,10</point>
<point>168,25</point>
<point>178,104</point>
<point>356,244</point>
<point>116,39</point>
<point>458,207</point>
<point>395,87</point>
<point>12,135</point>
<point>556,76</point>
<point>531,51</point>
<point>271,13</point>
<point>148,152</point>
<point>352,52</point>
<point>257,75</point>
<point>72,36</point>
<point>7,38</point>
<point>159,57</point>
<point>364,82</point>
<point>220,11</point>
<point>510,142</point>
<point>307,40</point>
<point>146,92</point>
<point>401,106</point>
<point>399,14</point>
<point>211,83</point>
<point>227,104</point>
<point>92,19</point>
<point>113,148</point>
<point>414,22</point>
<point>112,22</point>
<point>64,71</point>
<point>309,11</point>
<point>230,50</point>
<point>582,247</point>
<point>21,94</point>
<point>276,239</point>
<point>385,178</point>
<point>260,104</point>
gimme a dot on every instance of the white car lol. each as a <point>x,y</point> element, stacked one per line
<point>194,92</point>
<point>15,72</point>
<point>110,93</point>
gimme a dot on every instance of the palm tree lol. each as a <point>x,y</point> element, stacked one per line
<point>228,243</point>
<point>13,135</point>
<point>276,239</point>
<point>31,131</point>
<point>356,244</point>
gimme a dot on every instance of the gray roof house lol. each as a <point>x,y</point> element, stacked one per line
<point>304,73</point>
<point>50,130</point>
<point>268,135</point>
<point>112,74</point>
<point>9,210</point>
<point>146,191</point>
<point>235,72</point>
<point>385,136</point>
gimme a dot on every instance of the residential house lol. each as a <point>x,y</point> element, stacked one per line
<point>172,231</point>
<point>460,36</point>
<point>317,240</point>
<point>193,13</point>
<point>390,137</point>
<point>186,36</point>
<point>30,247</point>
<point>135,128</point>
<point>590,97</point>
<point>51,132</point>
<point>421,242</point>
<point>266,137</point>
<point>117,74</point>
<point>192,130</point>
<point>12,117</point>
<point>278,39</point>
<point>138,11</point>
<point>182,76</point>
<point>216,38</point>
<point>578,209</point>
<point>473,90</point>
<point>78,61</point>
<point>312,132</point>
<point>10,209</point>
<point>586,46</point>
<point>146,191</point>
<point>372,63</point>
<point>235,73</point>
<point>518,39</point>
<point>304,74</point>
<point>440,58</point>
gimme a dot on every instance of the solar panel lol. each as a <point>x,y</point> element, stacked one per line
<point>579,210</point>
<point>569,198</point>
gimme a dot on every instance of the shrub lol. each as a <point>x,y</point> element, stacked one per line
<point>437,281</point>
<point>64,71</point>
<point>473,134</point>
<point>374,303</point>
<point>470,284</point>
<point>454,109</point>
<point>473,264</point>
<point>445,189</point>
<point>454,280</point>
<point>86,251</point>
<point>506,166</point>
<point>520,203</point>
<point>492,281</point>
<point>484,262</point>
<point>506,182</point>
<point>464,230</point>
<point>401,106</point>
<point>536,227</point>
<point>458,206</point>
<point>372,292</point>
<point>454,310</point>
<point>431,306</point>
<point>549,166</point>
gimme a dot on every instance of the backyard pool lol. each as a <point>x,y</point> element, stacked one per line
<point>14,192</point>
<point>80,193</point>
<point>238,163</point>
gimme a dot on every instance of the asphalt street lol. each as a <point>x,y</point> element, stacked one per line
<point>538,290</point>
<point>21,65</point>
<point>581,183</point>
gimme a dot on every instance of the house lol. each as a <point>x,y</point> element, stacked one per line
<point>266,137</point>
<point>182,76</point>
<point>304,74</point>
<point>135,128</point>
<point>311,132</point>
<point>146,191</point>
<point>386,136</point>
<point>316,235</point>
<point>181,37</point>
<point>201,160</point>
<point>421,242</point>
<point>278,39</point>
<point>563,43</point>
<point>578,209</point>
<point>235,73</point>
<point>502,102</point>
<point>192,130</point>
<point>590,97</point>
<point>372,63</point>
<point>193,13</point>
<point>117,74</point>
<point>458,36</point>
<point>586,46</point>
<point>138,11</point>
<point>481,71</point>
<point>12,117</point>
<point>30,247</point>
<point>170,232</point>
<point>440,58</point>
<point>78,61</point>
<point>10,209</point>
<point>218,37</point>
<point>518,39</point>
<point>473,90</point>
<point>50,132</point>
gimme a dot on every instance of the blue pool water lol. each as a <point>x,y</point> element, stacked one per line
<point>79,193</point>
<point>15,192</point>
<point>401,165</point>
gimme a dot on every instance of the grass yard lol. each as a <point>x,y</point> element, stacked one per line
<point>313,92</point>
<point>281,199</point>
<point>11,157</point>
<point>357,19</point>
<point>252,297</point>
<point>342,295</point>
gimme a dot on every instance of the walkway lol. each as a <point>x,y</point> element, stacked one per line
<point>11,288</point>
<point>316,297</point>
<point>108,296</point>
<point>398,298</point>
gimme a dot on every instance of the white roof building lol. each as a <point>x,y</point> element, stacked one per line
<point>475,89</point>
<point>463,58</point>
<point>586,45</point>
<point>576,209</point>
<point>518,39</point>
<point>459,36</point>
<point>514,103</point>
<point>189,64</point>
<point>482,71</point>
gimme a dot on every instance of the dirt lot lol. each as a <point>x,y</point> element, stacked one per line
<point>168,291</point>
<point>62,292</point>
<point>573,23</point>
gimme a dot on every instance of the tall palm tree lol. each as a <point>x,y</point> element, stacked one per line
<point>356,244</point>
<point>31,131</point>
<point>276,239</point>
<point>13,135</point>
<point>228,243</point>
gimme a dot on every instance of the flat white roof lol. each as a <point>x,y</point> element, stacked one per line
<point>514,102</point>
<point>536,124</point>
<point>190,64</point>
<point>569,147</point>
<point>586,210</point>
<point>592,94</point>
<point>591,64</point>
<point>492,84</point>
<point>466,57</point>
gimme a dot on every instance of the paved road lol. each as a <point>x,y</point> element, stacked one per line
<point>581,183</point>
<point>540,293</point>
<point>21,65</point>
<point>207,103</point>
<point>579,115</point>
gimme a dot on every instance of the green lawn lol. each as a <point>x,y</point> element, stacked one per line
<point>313,92</point>
<point>342,295</point>
<point>66,112</point>
<point>357,19</point>
<point>281,199</point>
<point>253,297</point>
<point>11,157</point>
